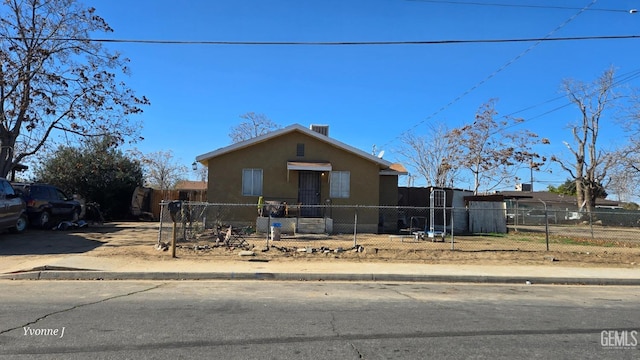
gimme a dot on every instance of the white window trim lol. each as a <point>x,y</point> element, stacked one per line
<point>252,189</point>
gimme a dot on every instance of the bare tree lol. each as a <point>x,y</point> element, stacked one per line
<point>589,163</point>
<point>253,125</point>
<point>631,154</point>
<point>623,181</point>
<point>202,172</point>
<point>624,175</point>
<point>492,153</point>
<point>430,155</point>
<point>161,170</point>
<point>54,79</point>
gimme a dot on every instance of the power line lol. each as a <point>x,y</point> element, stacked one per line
<point>472,3</point>
<point>619,80</point>
<point>342,43</point>
<point>500,69</point>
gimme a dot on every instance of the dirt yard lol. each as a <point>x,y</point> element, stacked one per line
<point>138,240</point>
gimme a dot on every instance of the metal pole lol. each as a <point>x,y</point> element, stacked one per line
<point>173,240</point>
<point>161,215</point>
<point>268,230</point>
<point>515,224</point>
<point>452,210</point>
<point>183,221</point>
<point>355,227</point>
<point>546,224</point>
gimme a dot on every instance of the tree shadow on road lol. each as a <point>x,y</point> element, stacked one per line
<point>45,243</point>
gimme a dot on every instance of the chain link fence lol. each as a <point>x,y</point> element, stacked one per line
<point>402,229</point>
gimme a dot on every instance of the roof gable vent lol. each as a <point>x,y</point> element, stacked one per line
<point>321,129</point>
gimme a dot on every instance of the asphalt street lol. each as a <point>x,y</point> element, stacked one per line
<point>315,320</point>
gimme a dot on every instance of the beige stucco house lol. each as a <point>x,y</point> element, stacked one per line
<point>306,169</point>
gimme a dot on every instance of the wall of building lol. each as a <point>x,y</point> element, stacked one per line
<point>279,184</point>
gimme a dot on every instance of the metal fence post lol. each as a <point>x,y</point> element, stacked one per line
<point>546,224</point>
<point>355,227</point>
<point>515,217</point>
<point>268,230</point>
<point>183,221</point>
<point>161,215</point>
<point>452,211</point>
<point>173,240</point>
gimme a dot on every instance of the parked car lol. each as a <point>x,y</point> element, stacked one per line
<point>13,215</point>
<point>46,203</point>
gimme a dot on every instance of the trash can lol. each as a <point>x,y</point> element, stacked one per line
<point>275,231</point>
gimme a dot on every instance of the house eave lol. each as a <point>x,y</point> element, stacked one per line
<point>392,172</point>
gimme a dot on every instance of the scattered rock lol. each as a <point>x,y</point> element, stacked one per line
<point>550,258</point>
<point>338,250</point>
<point>528,282</point>
<point>302,250</point>
<point>246,253</point>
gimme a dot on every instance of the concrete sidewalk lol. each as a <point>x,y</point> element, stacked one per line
<point>87,267</point>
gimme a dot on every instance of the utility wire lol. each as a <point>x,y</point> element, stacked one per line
<point>472,3</point>
<point>348,43</point>
<point>496,72</point>
<point>619,80</point>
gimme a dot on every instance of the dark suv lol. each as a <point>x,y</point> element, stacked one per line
<point>46,203</point>
<point>13,214</point>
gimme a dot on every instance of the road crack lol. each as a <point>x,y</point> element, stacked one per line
<point>403,294</point>
<point>360,356</point>
<point>80,306</point>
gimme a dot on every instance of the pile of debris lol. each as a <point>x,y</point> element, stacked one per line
<point>320,250</point>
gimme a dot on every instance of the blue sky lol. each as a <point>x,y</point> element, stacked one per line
<point>367,94</point>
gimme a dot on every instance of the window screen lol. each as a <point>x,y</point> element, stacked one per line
<point>339,187</point>
<point>252,182</point>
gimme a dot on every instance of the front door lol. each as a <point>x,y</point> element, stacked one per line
<point>309,193</point>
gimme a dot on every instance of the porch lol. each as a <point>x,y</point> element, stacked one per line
<point>296,225</point>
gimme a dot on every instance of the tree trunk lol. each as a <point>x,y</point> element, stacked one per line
<point>6,153</point>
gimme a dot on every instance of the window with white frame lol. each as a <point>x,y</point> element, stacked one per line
<point>251,182</point>
<point>339,184</point>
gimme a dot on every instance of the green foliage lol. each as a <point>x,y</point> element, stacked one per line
<point>97,171</point>
<point>566,188</point>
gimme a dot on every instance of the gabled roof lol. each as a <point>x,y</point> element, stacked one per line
<point>191,185</point>
<point>295,128</point>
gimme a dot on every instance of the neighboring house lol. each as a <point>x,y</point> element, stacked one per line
<point>309,171</point>
<point>192,190</point>
<point>536,199</point>
<point>530,205</point>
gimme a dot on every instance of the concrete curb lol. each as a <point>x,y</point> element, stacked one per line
<point>480,279</point>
